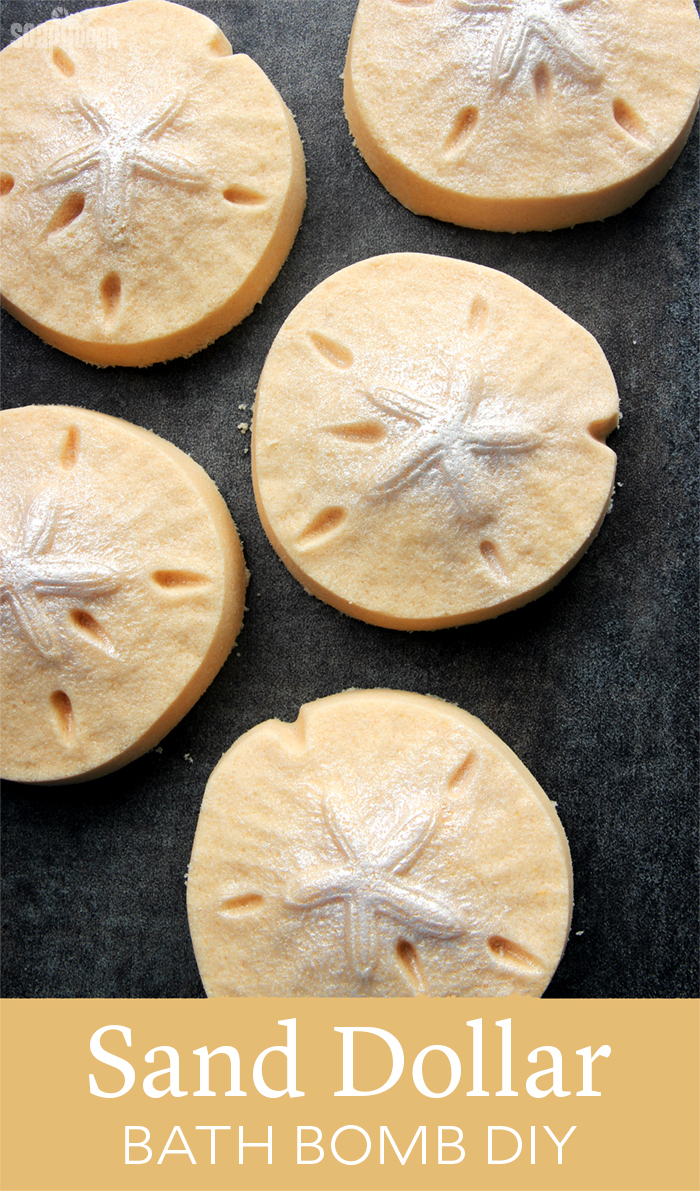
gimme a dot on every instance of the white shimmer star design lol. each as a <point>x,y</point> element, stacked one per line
<point>368,880</point>
<point>537,31</point>
<point>447,439</point>
<point>30,569</point>
<point>122,148</point>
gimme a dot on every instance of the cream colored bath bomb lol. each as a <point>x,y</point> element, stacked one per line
<point>386,844</point>
<point>516,115</point>
<point>152,182</point>
<point>122,584</point>
<point>428,442</point>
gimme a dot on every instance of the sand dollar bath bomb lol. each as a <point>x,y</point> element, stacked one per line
<point>428,442</point>
<point>514,115</point>
<point>386,844</point>
<point>122,589</point>
<point>152,182</point>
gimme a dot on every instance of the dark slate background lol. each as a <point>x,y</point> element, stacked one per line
<point>594,685</point>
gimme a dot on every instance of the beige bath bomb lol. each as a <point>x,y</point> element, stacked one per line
<point>152,182</point>
<point>516,115</point>
<point>386,844</point>
<point>428,442</point>
<point>122,584</point>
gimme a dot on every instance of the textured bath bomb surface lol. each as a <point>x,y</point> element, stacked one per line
<point>152,182</point>
<point>386,844</point>
<point>516,115</point>
<point>428,442</point>
<point>122,590</point>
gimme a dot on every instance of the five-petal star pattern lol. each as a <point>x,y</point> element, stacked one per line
<point>368,880</point>
<point>31,569</point>
<point>537,31</point>
<point>123,148</point>
<point>447,438</point>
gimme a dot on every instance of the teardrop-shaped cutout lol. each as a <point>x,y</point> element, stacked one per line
<point>68,211</point>
<point>511,952</point>
<point>412,967</point>
<point>63,716</point>
<point>463,126</point>
<point>243,195</point>
<point>178,579</point>
<point>542,82</point>
<point>460,771</point>
<point>6,183</point>
<point>490,557</point>
<point>629,120</point>
<point>324,523</point>
<point>242,903</point>
<point>87,624</point>
<point>333,352</point>
<point>111,292</point>
<point>477,314</point>
<point>62,62</point>
<point>70,448</point>
<point>360,432</point>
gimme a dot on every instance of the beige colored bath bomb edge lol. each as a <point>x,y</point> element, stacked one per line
<point>522,116</point>
<point>385,844</point>
<point>428,442</point>
<point>123,584</point>
<point>152,183</point>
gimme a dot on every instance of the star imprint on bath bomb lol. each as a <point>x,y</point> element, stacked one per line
<point>123,147</point>
<point>536,32</point>
<point>368,880</point>
<point>30,569</point>
<point>448,439</point>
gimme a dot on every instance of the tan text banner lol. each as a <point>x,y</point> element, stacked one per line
<point>336,1094</point>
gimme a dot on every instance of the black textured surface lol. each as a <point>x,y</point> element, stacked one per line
<point>594,686</point>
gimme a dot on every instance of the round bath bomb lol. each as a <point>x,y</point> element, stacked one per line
<point>428,442</point>
<point>152,182</point>
<point>386,844</point>
<point>122,585</point>
<point>516,115</point>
